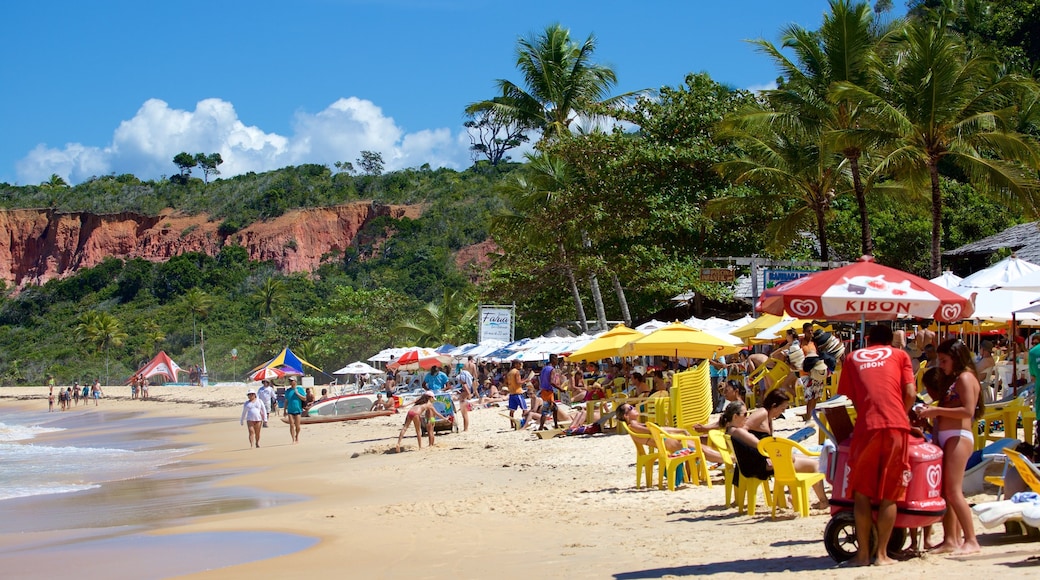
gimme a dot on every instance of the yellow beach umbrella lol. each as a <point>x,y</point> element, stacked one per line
<point>756,326</point>
<point>779,330</point>
<point>606,345</point>
<point>679,340</point>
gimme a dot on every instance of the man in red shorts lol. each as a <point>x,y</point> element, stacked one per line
<point>880,382</point>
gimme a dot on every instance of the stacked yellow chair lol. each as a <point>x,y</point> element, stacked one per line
<point>695,466</point>
<point>646,457</point>
<point>691,397</point>
<point>780,453</point>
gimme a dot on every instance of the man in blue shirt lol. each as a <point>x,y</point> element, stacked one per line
<point>436,380</point>
<point>548,381</point>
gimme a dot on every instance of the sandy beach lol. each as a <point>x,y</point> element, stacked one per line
<point>488,502</point>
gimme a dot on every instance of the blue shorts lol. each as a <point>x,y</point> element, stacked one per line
<point>517,402</point>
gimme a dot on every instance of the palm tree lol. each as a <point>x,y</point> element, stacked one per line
<point>198,304</point>
<point>943,104</point>
<point>842,50</point>
<point>560,83</point>
<point>437,324</point>
<point>153,335</point>
<point>788,167</point>
<point>269,295</point>
<point>55,182</point>
<point>102,331</point>
<point>533,215</point>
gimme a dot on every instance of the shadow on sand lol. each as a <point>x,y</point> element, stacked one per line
<point>749,566</point>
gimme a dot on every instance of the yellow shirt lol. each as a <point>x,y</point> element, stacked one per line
<point>513,382</point>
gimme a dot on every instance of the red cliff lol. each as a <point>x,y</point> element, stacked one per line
<point>40,245</point>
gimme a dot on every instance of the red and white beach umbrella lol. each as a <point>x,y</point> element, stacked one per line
<point>865,290</point>
<point>419,358</point>
<point>267,374</point>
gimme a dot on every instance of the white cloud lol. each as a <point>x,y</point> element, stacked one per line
<point>764,87</point>
<point>146,144</point>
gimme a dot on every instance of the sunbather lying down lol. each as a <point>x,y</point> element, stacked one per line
<point>564,414</point>
<point>630,415</point>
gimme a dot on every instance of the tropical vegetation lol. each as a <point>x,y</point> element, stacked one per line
<point>896,137</point>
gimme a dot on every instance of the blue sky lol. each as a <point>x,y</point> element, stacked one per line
<point>121,86</point>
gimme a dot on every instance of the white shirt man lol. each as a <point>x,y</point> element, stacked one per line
<point>266,395</point>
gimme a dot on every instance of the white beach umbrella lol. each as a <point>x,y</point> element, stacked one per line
<point>1025,283</point>
<point>997,305</point>
<point>359,368</point>
<point>947,279</point>
<point>1000,274</point>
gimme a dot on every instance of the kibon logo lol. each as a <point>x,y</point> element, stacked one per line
<point>871,355</point>
<point>803,307</point>
<point>934,476</point>
<point>951,312</point>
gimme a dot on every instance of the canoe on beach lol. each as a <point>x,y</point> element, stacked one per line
<point>335,418</point>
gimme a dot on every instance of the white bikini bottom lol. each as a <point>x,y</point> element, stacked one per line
<point>947,434</point>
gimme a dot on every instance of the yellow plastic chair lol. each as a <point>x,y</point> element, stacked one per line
<point>1027,470</point>
<point>691,397</point>
<point>1007,413</point>
<point>717,439</point>
<point>747,487</point>
<point>919,379</point>
<point>696,467</point>
<point>646,456</point>
<point>830,388</point>
<point>780,453</point>
<point>775,376</point>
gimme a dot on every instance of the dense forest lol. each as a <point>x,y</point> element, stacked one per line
<point>844,157</point>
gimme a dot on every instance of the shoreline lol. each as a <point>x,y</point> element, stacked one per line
<point>490,501</point>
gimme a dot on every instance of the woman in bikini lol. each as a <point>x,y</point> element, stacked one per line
<point>954,416</point>
<point>760,424</point>
<point>422,410</point>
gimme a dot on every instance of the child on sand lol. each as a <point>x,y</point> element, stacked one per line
<point>422,410</point>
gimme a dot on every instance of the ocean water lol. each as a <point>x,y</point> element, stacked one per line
<point>58,453</point>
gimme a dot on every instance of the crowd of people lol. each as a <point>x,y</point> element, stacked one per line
<point>71,396</point>
<point>881,380</point>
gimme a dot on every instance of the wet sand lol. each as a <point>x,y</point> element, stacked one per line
<point>488,502</point>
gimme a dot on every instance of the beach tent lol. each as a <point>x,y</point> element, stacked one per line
<point>286,361</point>
<point>161,364</point>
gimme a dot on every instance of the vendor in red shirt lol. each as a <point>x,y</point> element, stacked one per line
<point>880,382</point>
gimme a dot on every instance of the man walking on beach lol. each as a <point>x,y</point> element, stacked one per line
<point>294,397</point>
<point>880,382</point>
<point>516,393</point>
<point>548,382</point>
<point>266,395</point>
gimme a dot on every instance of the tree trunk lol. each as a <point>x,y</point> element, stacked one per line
<point>597,296</point>
<point>866,240</point>
<point>582,321</point>
<point>933,173</point>
<point>622,300</point>
<point>821,232</point>
<point>597,301</point>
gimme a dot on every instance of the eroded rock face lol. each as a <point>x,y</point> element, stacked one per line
<point>40,245</point>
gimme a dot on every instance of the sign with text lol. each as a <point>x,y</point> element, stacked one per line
<point>717,275</point>
<point>496,323</point>
<point>774,277</point>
